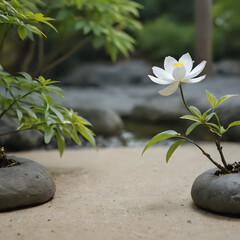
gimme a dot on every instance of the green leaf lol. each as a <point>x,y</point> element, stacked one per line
<point>195,111</point>
<point>235,123</point>
<point>56,90</point>
<point>205,114</point>
<point>85,132</point>
<point>75,136</point>
<point>19,114</point>
<point>59,115</point>
<point>190,117</point>
<point>34,30</point>
<point>224,98</point>
<point>210,116</point>
<point>172,148</point>
<point>161,136</point>
<point>22,32</point>
<point>29,112</point>
<point>192,127</point>
<point>26,75</point>
<point>60,142</point>
<point>48,134</point>
<point>212,99</point>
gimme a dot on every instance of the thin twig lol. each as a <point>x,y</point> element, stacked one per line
<point>219,147</point>
<point>15,100</point>
<point>206,154</point>
<point>218,144</point>
<point>65,56</point>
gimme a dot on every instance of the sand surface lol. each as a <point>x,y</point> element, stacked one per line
<point>117,194</point>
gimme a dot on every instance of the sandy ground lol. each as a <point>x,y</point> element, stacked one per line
<point>117,194</point>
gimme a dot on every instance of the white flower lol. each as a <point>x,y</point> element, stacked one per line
<point>176,72</point>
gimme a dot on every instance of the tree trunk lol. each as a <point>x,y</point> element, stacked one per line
<point>203,42</point>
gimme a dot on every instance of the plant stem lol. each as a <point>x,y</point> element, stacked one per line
<point>15,100</point>
<point>20,130</point>
<point>217,142</point>
<point>184,101</point>
<point>206,154</point>
<point>65,56</point>
<point>219,147</point>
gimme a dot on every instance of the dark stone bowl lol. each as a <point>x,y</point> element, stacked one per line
<point>25,185</point>
<point>217,193</point>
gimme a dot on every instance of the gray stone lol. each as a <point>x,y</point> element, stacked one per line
<point>25,185</point>
<point>159,109</point>
<point>227,67</point>
<point>101,74</point>
<point>22,140</point>
<point>105,121</point>
<point>217,193</point>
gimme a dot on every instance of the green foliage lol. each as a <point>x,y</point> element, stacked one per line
<point>160,137</point>
<point>107,22</point>
<point>181,11</point>
<point>164,37</point>
<point>215,102</point>
<point>173,147</point>
<point>12,14</point>
<point>226,28</point>
<point>30,101</point>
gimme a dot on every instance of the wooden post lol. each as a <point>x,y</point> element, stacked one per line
<point>203,42</point>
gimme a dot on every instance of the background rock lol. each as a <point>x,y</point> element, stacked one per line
<point>105,121</point>
<point>102,74</point>
<point>22,140</point>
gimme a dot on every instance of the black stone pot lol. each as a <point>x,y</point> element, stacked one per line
<point>25,185</point>
<point>217,193</point>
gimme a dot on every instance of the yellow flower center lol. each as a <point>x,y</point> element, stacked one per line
<point>178,64</point>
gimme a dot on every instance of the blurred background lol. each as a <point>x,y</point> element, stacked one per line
<point>104,50</point>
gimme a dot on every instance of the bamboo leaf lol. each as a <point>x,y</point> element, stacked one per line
<point>172,148</point>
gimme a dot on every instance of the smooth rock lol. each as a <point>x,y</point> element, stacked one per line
<point>101,74</point>
<point>25,185</point>
<point>105,121</point>
<point>159,109</point>
<point>217,193</point>
<point>227,67</point>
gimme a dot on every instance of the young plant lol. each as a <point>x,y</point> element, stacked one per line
<point>175,73</point>
<point>30,100</point>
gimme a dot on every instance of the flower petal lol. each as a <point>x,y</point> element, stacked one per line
<point>170,89</point>
<point>158,81</point>
<point>195,80</point>
<point>162,74</point>
<point>198,69</point>
<point>179,73</point>
<point>168,64</point>
<point>187,61</point>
